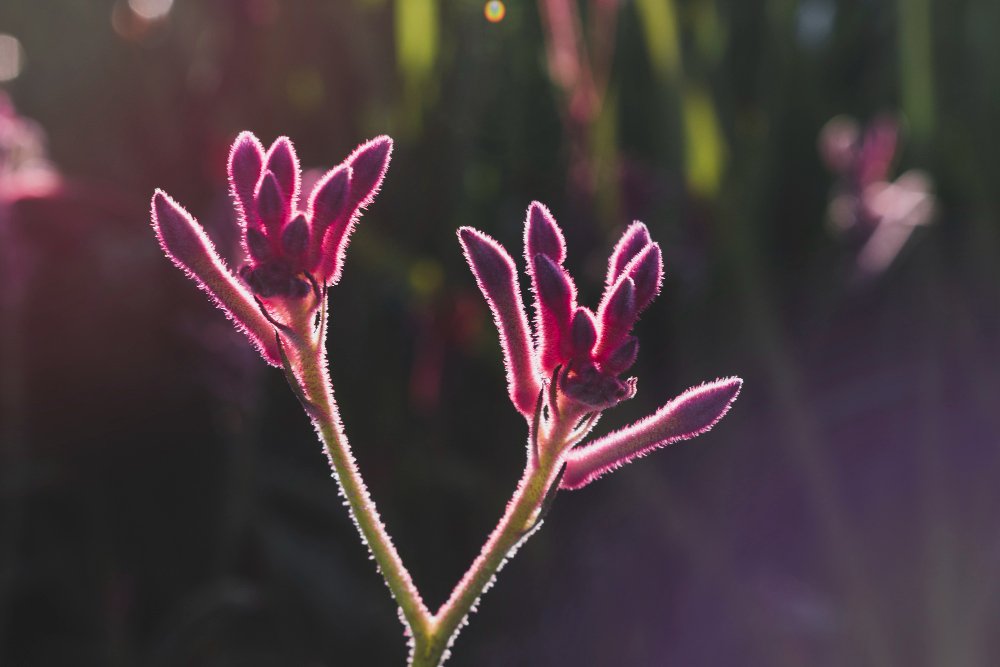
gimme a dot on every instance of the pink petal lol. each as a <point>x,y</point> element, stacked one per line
<point>189,248</point>
<point>635,238</point>
<point>692,413</point>
<point>496,276</point>
<point>555,301</point>
<point>245,160</point>
<point>543,235</point>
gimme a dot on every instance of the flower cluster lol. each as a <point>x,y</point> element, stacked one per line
<point>291,249</point>
<point>579,354</point>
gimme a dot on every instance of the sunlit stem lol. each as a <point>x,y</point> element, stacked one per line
<point>314,380</point>
<point>521,519</point>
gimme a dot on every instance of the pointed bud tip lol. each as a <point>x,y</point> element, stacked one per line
<point>542,234</point>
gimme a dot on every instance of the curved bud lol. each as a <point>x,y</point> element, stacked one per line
<point>583,333</point>
<point>496,276</point>
<point>368,164</point>
<point>189,248</point>
<point>295,239</point>
<point>284,164</point>
<point>543,235</point>
<point>646,271</point>
<point>617,314</point>
<point>369,161</point>
<point>635,238</point>
<point>692,413</point>
<point>328,202</point>
<point>622,358</point>
<point>555,301</point>
<point>271,206</point>
<point>245,160</point>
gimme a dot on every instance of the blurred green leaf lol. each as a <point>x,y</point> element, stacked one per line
<point>704,146</point>
<point>659,25</point>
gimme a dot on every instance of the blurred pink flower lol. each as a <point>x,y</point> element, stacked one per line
<point>866,205</point>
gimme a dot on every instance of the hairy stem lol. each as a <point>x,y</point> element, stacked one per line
<point>315,382</point>
<point>520,520</point>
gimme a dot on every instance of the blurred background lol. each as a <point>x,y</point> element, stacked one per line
<point>164,501</point>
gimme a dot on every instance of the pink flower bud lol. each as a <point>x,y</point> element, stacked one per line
<point>258,246</point>
<point>543,235</point>
<point>185,243</point>
<point>635,238</point>
<point>584,333</point>
<point>245,161</point>
<point>617,314</point>
<point>369,162</point>
<point>555,301</point>
<point>496,276</point>
<point>284,164</point>
<point>621,359</point>
<point>692,413</point>
<point>295,239</point>
<point>328,203</point>
<point>272,210</point>
<point>646,271</point>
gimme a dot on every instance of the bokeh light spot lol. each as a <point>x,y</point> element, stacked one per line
<point>11,58</point>
<point>150,9</point>
<point>495,11</point>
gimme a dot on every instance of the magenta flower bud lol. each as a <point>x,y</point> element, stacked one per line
<point>646,271</point>
<point>622,358</point>
<point>272,209</point>
<point>496,276</point>
<point>584,333</point>
<point>189,248</point>
<point>295,238</point>
<point>328,203</point>
<point>635,238</point>
<point>617,314</point>
<point>554,305</point>
<point>692,413</point>
<point>369,163</point>
<point>258,246</point>
<point>245,161</point>
<point>284,164</point>
<point>543,235</point>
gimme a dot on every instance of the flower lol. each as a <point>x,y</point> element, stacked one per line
<point>291,249</point>
<point>579,354</point>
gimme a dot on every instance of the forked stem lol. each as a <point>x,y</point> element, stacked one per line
<point>431,634</point>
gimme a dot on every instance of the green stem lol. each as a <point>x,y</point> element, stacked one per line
<point>432,635</point>
<point>315,382</point>
<point>519,521</point>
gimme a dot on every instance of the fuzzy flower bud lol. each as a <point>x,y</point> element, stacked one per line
<point>692,413</point>
<point>189,248</point>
